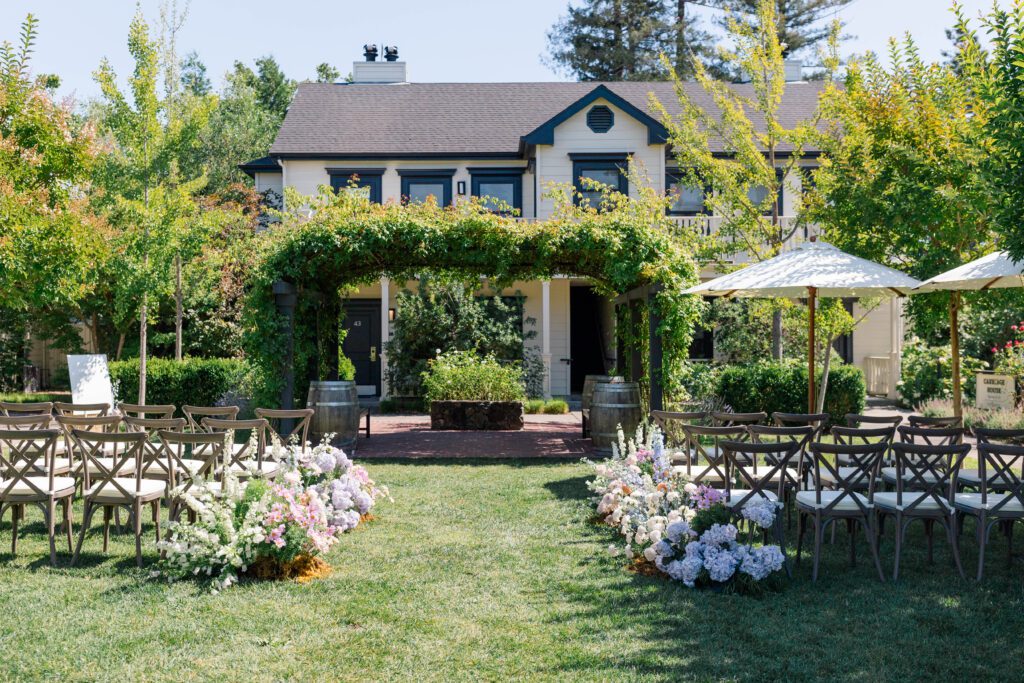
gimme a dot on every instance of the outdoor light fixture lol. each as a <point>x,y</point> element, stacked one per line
<point>462,187</point>
<point>391,314</point>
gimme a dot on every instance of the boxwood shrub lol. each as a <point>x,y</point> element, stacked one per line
<point>464,376</point>
<point>772,386</point>
<point>192,381</point>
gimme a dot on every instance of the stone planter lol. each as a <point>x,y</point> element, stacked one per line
<point>476,415</point>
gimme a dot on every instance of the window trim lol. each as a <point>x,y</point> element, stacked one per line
<point>513,175</point>
<point>594,162</point>
<point>779,199</point>
<point>412,176</point>
<point>368,177</point>
<point>677,177</point>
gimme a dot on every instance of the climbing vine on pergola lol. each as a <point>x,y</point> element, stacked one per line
<point>342,241</point>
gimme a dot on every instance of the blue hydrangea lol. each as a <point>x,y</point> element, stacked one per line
<point>761,512</point>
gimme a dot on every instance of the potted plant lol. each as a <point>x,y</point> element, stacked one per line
<point>467,391</point>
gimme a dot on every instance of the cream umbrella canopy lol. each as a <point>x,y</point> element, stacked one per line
<point>994,271</point>
<point>811,270</point>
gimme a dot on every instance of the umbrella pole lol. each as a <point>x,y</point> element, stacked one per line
<point>954,343</point>
<point>812,295</point>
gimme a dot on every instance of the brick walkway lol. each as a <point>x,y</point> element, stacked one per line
<point>410,436</point>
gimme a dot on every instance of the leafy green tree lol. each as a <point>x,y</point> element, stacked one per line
<point>997,76</point>
<point>800,25</point>
<point>273,89</point>
<point>194,80</point>
<point>746,183</point>
<point>51,244</point>
<point>325,73</point>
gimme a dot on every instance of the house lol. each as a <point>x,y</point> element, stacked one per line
<point>402,141</point>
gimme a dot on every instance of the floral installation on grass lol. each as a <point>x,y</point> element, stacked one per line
<point>269,529</point>
<point>678,528</point>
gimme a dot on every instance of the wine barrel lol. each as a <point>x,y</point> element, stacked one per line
<point>614,404</point>
<point>588,387</point>
<point>336,411</point>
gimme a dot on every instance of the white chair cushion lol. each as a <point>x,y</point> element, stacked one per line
<point>888,499</point>
<point>109,493</point>
<point>973,478</point>
<point>699,473</point>
<point>268,468</point>
<point>62,486</point>
<point>94,466</point>
<point>808,499</point>
<point>889,475</point>
<point>972,501</point>
<point>736,495</point>
<point>762,473</point>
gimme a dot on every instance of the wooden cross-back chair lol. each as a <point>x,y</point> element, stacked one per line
<point>726,419</point>
<point>249,458</point>
<point>62,461</point>
<point>10,409</point>
<point>1000,496</point>
<point>155,465</point>
<point>29,476</point>
<point>112,483</point>
<point>82,409</point>
<point>924,480</point>
<point>190,457</point>
<point>942,421</point>
<point>971,478</point>
<point>107,424</point>
<point>713,471</point>
<point>795,474</point>
<point>671,425</point>
<point>873,421</point>
<point>816,420</point>
<point>196,414</point>
<point>841,492</point>
<point>300,430</point>
<point>156,412</point>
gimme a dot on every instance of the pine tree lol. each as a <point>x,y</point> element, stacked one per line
<point>610,40</point>
<point>801,24</point>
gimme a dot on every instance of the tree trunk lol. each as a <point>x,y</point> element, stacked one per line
<point>777,334</point>
<point>681,47</point>
<point>120,347</point>
<point>142,349</point>
<point>177,307</point>
<point>826,365</point>
<point>97,347</point>
<point>620,42</point>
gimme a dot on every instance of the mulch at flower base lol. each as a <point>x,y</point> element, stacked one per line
<point>302,569</point>
<point>644,567</point>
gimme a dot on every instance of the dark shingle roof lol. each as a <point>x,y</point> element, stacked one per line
<point>462,119</point>
<point>263,164</point>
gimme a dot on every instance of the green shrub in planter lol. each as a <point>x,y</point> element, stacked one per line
<point>533,406</point>
<point>771,386</point>
<point>191,381</point>
<point>926,374</point>
<point>464,376</point>
<point>556,406</point>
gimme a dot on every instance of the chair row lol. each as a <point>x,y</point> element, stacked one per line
<point>125,462</point>
<point>925,481</point>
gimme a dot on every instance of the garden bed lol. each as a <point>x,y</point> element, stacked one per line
<point>477,415</point>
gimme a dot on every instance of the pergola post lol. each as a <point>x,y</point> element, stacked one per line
<point>286,298</point>
<point>385,333</point>
<point>655,351</point>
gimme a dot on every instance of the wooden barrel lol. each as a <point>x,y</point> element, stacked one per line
<point>614,404</point>
<point>336,411</point>
<point>588,387</point>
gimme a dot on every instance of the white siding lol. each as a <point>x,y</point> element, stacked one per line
<point>573,136</point>
<point>269,181</point>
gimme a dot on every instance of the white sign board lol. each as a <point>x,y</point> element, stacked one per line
<point>90,379</point>
<point>995,391</point>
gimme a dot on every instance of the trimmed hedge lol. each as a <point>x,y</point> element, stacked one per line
<point>193,381</point>
<point>771,386</point>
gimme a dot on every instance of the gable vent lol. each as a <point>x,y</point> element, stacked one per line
<point>600,119</point>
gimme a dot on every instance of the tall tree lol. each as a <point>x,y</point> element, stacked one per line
<point>194,80</point>
<point>611,40</point>
<point>997,76</point>
<point>745,184</point>
<point>273,89</point>
<point>800,24</point>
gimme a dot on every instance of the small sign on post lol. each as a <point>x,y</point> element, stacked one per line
<point>995,392</point>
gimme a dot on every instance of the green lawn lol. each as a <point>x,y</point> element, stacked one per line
<point>491,571</point>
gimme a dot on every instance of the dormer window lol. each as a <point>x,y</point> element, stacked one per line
<point>600,119</point>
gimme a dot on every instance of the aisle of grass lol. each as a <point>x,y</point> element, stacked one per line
<point>490,571</point>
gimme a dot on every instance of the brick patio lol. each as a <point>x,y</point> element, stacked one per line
<point>410,436</point>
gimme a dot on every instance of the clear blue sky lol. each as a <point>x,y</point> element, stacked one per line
<point>442,40</point>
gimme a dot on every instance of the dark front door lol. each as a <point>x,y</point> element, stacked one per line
<point>586,336</point>
<point>362,344</point>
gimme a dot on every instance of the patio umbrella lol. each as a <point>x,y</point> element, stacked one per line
<point>811,270</point>
<point>994,271</point>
